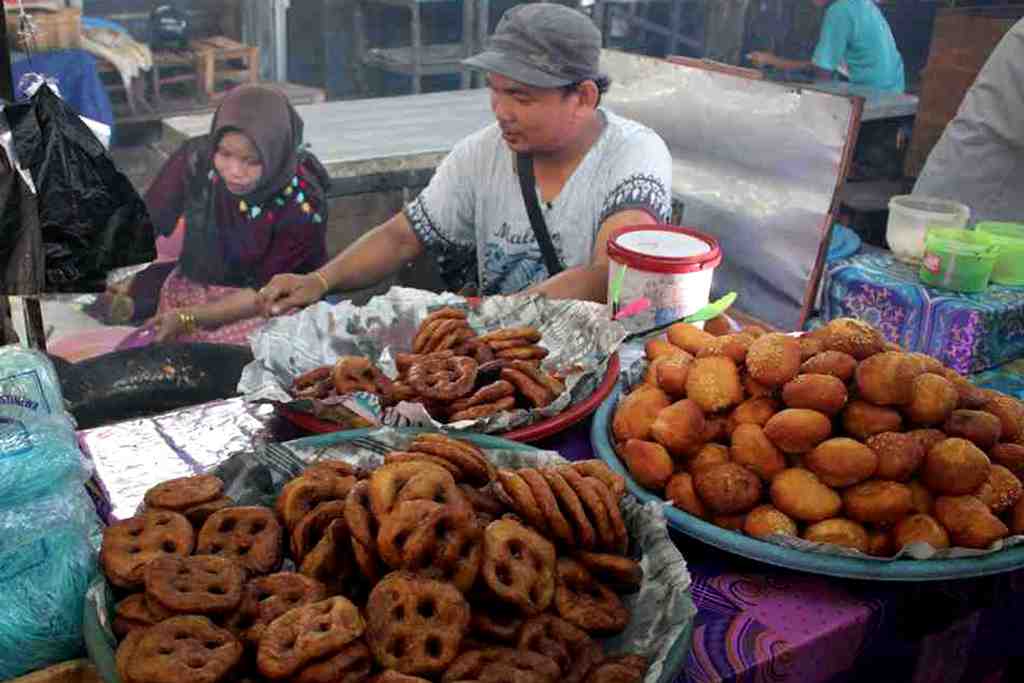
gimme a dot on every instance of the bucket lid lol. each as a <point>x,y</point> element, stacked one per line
<point>664,248</point>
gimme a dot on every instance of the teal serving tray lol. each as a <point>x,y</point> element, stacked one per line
<point>101,647</point>
<point>770,553</point>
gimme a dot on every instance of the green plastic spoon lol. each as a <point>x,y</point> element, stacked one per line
<point>712,310</point>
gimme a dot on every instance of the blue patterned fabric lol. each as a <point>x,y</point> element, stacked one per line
<point>1008,379</point>
<point>968,332</point>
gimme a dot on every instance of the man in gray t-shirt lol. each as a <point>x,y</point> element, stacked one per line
<point>594,172</point>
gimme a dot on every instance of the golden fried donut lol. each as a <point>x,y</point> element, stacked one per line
<point>679,427</point>
<point>648,462</point>
<point>899,455</point>
<point>774,359</point>
<point>714,383</point>
<point>752,449</point>
<point>969,521</point>
<point>755,411</point>
<point>857,338</point>
<point>355,373</point>
<point>680,492</point>
<point>801,495</point>
<point>1001,490</point>
<point>933,398</point>
<point>766,520</point>
<point>636,413</point>
<point>842,532</point>
<point>842,462</point>
<point>887,378</point>
<point>727,488</point>
<point>798,430</point>
<point>689,337</point>
<point>979,427</point>
<point>920,528</point>
<point>954,467</point>
<point>824,393</point>
<point>878,502</point>
<point>835,363</point>
<point>443,379</point>
<point>862,419</point>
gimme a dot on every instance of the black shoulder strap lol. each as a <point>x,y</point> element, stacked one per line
<point>528,185</point>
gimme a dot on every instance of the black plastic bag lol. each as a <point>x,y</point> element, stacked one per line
<point>21,267</point>
<point>90,218</point>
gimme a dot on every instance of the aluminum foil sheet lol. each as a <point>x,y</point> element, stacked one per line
<point>131,457</point>
<point>662,610</point>
<point>578,334</point>
<point>755,164</point>
<point>633,374</point>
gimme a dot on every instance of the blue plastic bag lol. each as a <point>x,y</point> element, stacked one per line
<point>49,530</point>
<point>38,450</point>
<point>43,583</point>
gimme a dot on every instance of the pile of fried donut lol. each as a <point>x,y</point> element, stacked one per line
<point>433,567</point>
<point>452,371</point>
<point>835,436</point>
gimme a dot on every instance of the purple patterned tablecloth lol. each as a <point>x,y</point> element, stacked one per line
<point>968,332</point>
<point>754,622</point>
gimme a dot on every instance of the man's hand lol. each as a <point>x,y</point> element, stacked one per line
<point>288,291</point>
<point>763,59</point>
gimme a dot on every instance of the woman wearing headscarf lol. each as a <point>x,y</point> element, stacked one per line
<point>251,204</point>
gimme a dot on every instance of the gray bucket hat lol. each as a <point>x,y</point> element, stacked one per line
<point>544,45</point>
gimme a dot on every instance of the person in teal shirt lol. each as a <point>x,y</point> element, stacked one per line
<point>856,36</point>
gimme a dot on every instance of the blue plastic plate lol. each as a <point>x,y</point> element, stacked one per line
<point>815,563</point>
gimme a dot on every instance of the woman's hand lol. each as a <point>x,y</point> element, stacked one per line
<point>762,59</point>
<point>287,291</point>
<point>122,287</point>
<point>166,326</point>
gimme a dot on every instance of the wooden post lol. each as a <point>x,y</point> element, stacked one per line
<point>33,312</point>
<point>7,335</point>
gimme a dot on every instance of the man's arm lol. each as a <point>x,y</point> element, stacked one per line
<point>367,261</point>
<point>762,59</point>
<point>590,282</point>
<point>374,256</point>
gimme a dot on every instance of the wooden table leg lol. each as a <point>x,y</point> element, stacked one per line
<point>129,95</point>
<point>362,84</point>
<point>254,64</point>
<point>154,74</point>
<point>468,33</point>
<point>206,62</point>
<point>416,47</point>
<point>483,29</point>
<point>7,333</point>
<point>34,331</point>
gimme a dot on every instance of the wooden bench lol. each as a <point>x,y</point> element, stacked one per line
<point>208,63</point>
<point>214,59</point>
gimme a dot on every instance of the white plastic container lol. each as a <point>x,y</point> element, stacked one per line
<point>659,273</point>
<point>910,216</point>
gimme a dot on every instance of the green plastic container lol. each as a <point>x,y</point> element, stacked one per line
<point>959,260</point>
<point>1009,268</point>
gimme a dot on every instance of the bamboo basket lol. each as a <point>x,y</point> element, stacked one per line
<point>58,30</point>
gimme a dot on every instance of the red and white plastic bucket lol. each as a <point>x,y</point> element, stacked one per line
<point>659,273</point>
